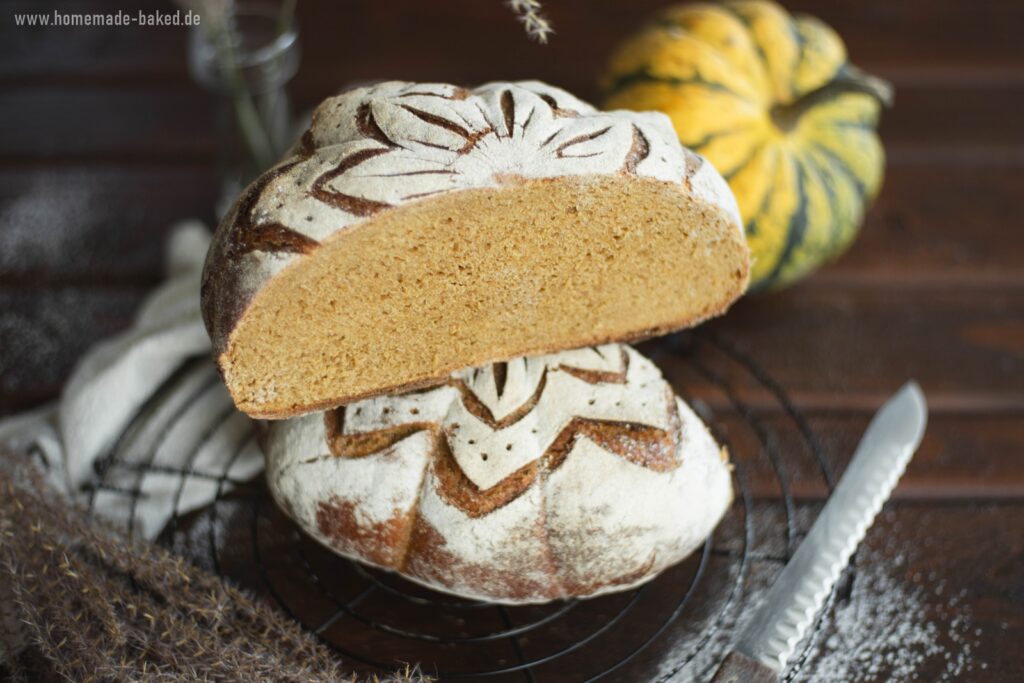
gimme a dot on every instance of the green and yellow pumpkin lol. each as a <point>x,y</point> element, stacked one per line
<point>771,100</point>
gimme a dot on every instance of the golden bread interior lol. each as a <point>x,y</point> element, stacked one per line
<point>471,277</point>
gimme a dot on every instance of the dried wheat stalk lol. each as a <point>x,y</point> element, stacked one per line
<point>98,607</point>
<point>528,13</point>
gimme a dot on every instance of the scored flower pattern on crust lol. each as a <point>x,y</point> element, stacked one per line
<point>506,422</point>
<point>563,475</point>
<point>381,146</point>
<point>653,447</point>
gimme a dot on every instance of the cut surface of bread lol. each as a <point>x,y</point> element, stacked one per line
<point>569,475</point>
<point>424,229</point>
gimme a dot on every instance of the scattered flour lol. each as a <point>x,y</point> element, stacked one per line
<point>896,624</point>
<point>891,630</point>
<point>40,233</point>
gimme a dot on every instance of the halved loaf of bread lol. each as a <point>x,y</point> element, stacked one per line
<point>420,229</point>
<point>568,475</point>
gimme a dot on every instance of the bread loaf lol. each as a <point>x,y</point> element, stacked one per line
<point>569,475</point>
<point>421,228</point>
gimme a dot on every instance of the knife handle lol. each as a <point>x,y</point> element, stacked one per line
<point>738,668</point>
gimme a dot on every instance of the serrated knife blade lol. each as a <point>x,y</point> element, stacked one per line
<point>793,601</point>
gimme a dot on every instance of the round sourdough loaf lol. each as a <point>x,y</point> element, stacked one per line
<point>421,228</point>
<point>568,475</point>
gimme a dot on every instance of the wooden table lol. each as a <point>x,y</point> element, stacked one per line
<point>106,142</point>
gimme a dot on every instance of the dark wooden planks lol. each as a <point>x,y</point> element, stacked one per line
<point>934,35</point>
<point>962,457</point>
<point>113,124</point>
<point>95,224</point>
<point>968,127</point>
<point>938,584</point>
<point>371,39</point>
<point>897,39</point>
<point>936,595</point>
<point>971,124</point>
<point>934,227</point>
<point>847,349</point>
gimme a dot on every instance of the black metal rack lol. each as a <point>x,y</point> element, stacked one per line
<point>676,627</point>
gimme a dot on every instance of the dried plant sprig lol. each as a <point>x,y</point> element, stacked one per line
<point>529,14</point>
<point>98,607</point>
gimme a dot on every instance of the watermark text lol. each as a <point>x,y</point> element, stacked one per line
<point>59,19</point>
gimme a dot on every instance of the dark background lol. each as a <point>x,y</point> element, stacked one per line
<point>105,142</point>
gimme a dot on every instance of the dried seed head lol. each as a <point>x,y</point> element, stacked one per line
<point>96,607</point>
<point>529,14</point>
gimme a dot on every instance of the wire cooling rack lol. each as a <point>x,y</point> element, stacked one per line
<point>675,628</point>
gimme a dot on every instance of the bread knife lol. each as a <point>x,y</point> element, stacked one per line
<point>794,599</point>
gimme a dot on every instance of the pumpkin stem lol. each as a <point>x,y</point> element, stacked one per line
<point>850,79</point>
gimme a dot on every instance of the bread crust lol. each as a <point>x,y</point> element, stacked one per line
<point>571,475</point>
<point>385,148</point>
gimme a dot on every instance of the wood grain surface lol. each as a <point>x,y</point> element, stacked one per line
<point>105,143</point>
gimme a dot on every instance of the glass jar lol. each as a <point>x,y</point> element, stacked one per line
<point>247,57</point>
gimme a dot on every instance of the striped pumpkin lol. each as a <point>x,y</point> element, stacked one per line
<point>771,100</point>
